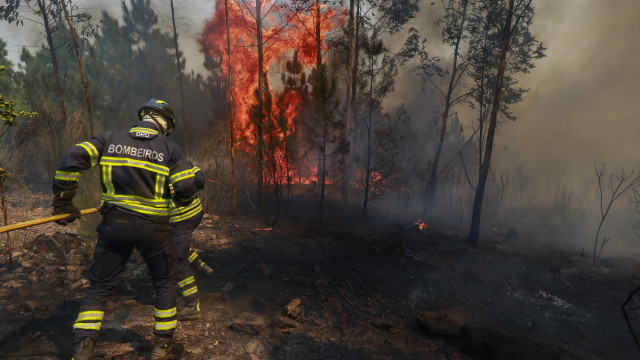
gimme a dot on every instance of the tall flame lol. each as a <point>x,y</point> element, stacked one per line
<point>280,39</point>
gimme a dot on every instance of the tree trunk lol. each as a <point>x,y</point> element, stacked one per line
<point>3,206</point>
<point>323,173</point>
<point>350,46</point>
<point>182,112</point>
<point>318,66</point>
<point>320,73</point>
<point>350,33</point>
<point>232,138</point>
<point>54,62</point>
<point>85,85</point>
<point>433,177</point>
<point>259,120</point>
<point>474,233</point>
<point>356,51</point>
<point>367,179</point>
<point>318,36</point>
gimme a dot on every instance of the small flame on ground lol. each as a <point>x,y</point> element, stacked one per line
<point>421,224</point>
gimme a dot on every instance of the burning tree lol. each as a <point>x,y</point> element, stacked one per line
<point>381,68</point>
<point>383,163</point>
<point>324,131</point>
<point>261,33</point>
<point>295,84</point>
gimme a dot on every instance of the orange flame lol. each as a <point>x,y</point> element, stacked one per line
<point>421,224</point>
<point>280,39</point>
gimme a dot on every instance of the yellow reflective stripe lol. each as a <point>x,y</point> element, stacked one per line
<point>180,210</point>
<point>87,326</point>
<point>193,256</point>
<point>159,191</point>
<point>191,291</point>
<point>134,199</point>
<point>183,213</point>
<point>67,175</point>
<point>186,216</point>
<point>90,315</point>
<point>165,313</point>
<point>181,176</point>
<point>93,152</point>
<point>106,179</point>
<point>143,130</point>
<point>166,325</point>
<point>119,161</point>
<point>140,208</point>
<point>186,281</point>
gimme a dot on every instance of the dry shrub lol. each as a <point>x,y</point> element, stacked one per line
<point>215,160</point>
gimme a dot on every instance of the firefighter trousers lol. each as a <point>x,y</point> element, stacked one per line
<point>118,234</point>
<point>182,234</point>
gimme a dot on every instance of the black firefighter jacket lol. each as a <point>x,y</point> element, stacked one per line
<point>137,165</point>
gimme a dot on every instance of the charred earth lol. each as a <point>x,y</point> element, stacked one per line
<point>343,289</point>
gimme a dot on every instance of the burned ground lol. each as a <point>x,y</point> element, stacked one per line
<point>338,290</point>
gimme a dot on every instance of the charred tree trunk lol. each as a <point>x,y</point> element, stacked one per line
<point>182,112</point>
<point>85,85</point>
<point>54,61</point>
<point>433,177</point>
<point>232,138</point>
<point>474,233</point>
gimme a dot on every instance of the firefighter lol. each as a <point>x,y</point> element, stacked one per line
<point>137,165</point>
<point>199,264</point>
<point>184,220</point>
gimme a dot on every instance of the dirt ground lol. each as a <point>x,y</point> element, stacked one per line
<point>347,289</point>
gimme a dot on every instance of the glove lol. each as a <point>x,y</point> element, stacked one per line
<point>65,206</point>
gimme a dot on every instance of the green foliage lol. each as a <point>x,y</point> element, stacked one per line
<point>398,12</point>
<point>126,61</point>
<point>524,49</point>
<point>9,11</point>
<point>7,112</point>
<point>324,128</point>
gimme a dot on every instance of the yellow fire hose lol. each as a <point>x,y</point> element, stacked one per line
<point>45,220</point>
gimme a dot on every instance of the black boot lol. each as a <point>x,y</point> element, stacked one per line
<point>202,267</point>
<point>83,350</point>
<point>190,311</point>
<point>165,348</point>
